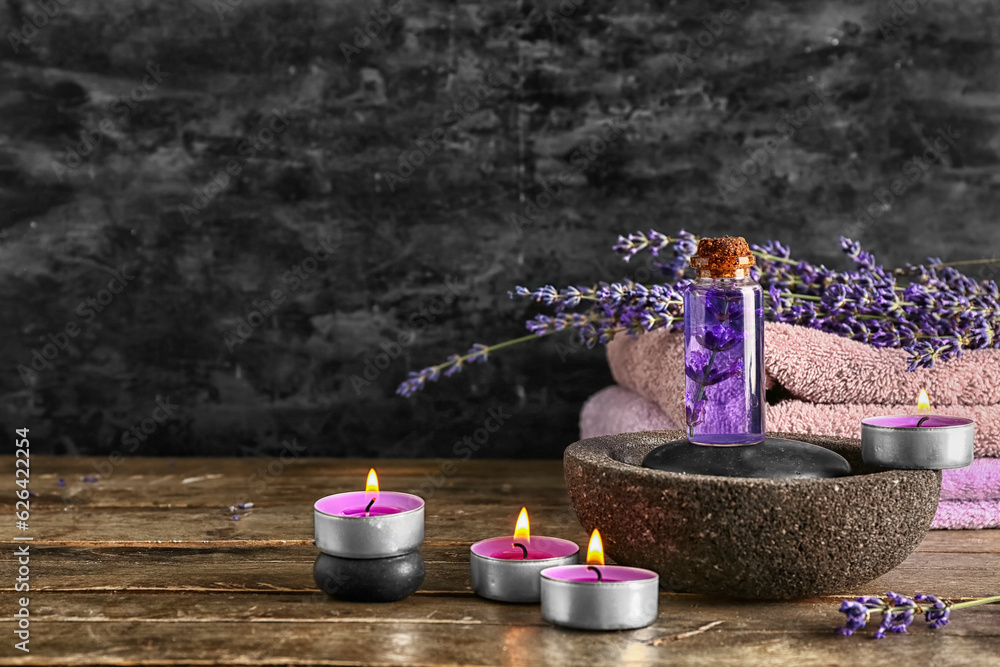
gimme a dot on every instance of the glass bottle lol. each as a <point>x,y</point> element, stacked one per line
<point>724,346</point>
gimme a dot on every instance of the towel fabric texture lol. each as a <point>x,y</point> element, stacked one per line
<point>970,497</point>
<point>832,383</point>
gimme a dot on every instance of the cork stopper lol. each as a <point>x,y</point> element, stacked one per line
<point>725,257</point>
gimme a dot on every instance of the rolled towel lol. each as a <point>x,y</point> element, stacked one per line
<point>970,497</point>
<point>834,382</point>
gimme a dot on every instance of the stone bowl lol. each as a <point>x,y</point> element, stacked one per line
<point>755,538</point>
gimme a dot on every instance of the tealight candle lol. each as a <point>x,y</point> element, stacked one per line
<point>921,441</point>
<point>369,523</point>
<point>598,596</point>
<point>369,544</point>
<point>508,568</point>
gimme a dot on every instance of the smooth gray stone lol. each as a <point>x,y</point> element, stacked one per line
<point>369,579</point>
<point>774,458</point>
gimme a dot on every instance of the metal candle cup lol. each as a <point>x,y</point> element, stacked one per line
<point>349,525</point>
<point>502,571</point>
<point>600,597</point>
<point>931,442</point>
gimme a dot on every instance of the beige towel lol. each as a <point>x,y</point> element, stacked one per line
<point>834,382</point>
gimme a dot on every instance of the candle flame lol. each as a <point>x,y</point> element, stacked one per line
<point>371,486</point>
<point>923,403</point>
<point>595,550</point>
<point>522,531</point>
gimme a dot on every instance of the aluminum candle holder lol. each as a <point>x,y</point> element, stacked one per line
<point>501,571</point>
<point>927,442</point>
<point>600,597</point>
<point>393,525</point>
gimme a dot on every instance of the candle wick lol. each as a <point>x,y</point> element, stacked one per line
<point>600,577</point>
<point>367,509</point>
<point>523,549</point>
<point>922,420</point>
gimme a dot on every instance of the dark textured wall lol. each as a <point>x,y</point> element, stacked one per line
<point>268,195</point>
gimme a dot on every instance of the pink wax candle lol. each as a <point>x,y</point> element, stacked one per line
<point>507,568</point>
<point>598,596</point>
<point>920,441</point>
<point>535,548</point>
<point>917,421</point>
<point>369,523</point>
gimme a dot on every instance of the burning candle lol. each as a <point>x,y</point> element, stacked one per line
<point>369,523</point>
<point>598,596</point>
<point>920,441</point>
<point>508,568</point>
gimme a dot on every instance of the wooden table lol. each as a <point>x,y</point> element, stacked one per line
<point>146,566</point>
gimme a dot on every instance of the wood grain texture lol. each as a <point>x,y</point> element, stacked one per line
<point>111,587</point>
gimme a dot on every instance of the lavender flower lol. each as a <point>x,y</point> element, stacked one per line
<point>719,338</point>
<point>932,311</point>
<point>857,613</point>
<point>706,375</point>
<point>898,612</point>
<point>478,353</point>
<point>937,614</point>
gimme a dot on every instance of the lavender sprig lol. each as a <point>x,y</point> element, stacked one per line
<point>898,612</point>
<point>935,314</point>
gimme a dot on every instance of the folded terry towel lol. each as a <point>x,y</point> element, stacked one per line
<point>970,497</point>
<point>834,382</point>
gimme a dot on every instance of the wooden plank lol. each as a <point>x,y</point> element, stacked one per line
<point>221,483</point>
<point>965,541</point>
<point>446,522</point>
<point>794,637</point>
<point>289,569</point>
<point>111,586</point>
<point>675,610</point>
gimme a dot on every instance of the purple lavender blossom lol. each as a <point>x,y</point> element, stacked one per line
<point>896,621</point>
<point>898,612</point>
<point>708,374</point>
<point>857,612</point>
<point>932,311</point>
<point>938,614</point>
<point>719,338</point>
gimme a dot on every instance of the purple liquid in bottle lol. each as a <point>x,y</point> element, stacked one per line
<point>724,351</point>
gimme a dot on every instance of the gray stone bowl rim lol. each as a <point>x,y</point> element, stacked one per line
<point>585,451</point>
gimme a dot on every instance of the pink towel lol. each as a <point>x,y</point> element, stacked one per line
<point>970,497</point>
<point>834,382</point>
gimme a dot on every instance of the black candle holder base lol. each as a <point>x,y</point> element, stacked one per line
<point>370,579</point>
<point>772,459</point>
